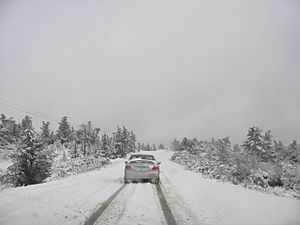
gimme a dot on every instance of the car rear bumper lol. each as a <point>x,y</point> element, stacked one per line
<point>132,175</point>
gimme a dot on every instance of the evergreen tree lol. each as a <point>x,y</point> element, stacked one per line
<point>83,139</point>
<point>154,147</point>
<point>46,133</point>
<point>72,137</point>
<point>125,140</point>
<point>223,148</point>
<point>188,145</point>
<point>26,124</point>
<point>5,134</point>
<point>31,164</point>
<point>64,131</point>
<point>96,142</point>
<point>269,153</point>
<point>280,151</point>
<point>9,132</point>
<point>2,117</point>
<point>132,141</point>
<point>236,148</point>
<point>147,147</point>
<point>74,151</point>
<point>254,144</point>
<point>139,147</point>
<point>118,143</point>
<point>105,145</point>
<point>175,145</point>
<point>161,146</point>
<point>294,152</point>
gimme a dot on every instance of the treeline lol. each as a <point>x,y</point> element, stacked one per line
<point>33,152</point>
<point>259,161</point>
<point>148,147</point>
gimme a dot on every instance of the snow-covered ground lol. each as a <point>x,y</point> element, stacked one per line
<point>216,203</point>
<point>193,200</point>
<point>66,201</point>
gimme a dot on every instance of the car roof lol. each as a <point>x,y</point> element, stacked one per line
<point>140,153</point>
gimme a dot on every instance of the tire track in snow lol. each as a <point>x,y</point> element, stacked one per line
<point>116,208</point>
<point>92,219</point>
<point>131,204</point>
<point>165,207</point>
<point>143,203</point>
<point>136,204</point>
<point>181,211</point>
<point>143,207</point>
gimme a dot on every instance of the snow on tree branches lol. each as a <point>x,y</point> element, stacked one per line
<point>260,162</point>
<point>36,156</point>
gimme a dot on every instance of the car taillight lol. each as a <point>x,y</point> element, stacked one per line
<point>127,167</point>
<point>155,168</point>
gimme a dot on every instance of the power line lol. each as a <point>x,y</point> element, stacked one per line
<point>23,109</point>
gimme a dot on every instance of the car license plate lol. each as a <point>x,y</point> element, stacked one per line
<point>141,168</point>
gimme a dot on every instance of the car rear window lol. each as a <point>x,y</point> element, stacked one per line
<point>147,157</point>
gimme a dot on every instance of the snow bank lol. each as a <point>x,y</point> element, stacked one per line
<point>66,201</point>
<point>281,180</point>
<point>218,203</point>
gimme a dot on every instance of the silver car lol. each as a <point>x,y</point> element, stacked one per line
<point>141,167</point>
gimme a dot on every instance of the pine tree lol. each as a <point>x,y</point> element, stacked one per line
<point>161,146</point>
<point>280,150</point>
<point>64,131</point>
<point>119,143</point>
<point>269,153</point>
<point>254,144</point>
<point>5,133</point>
<point>46,133</point>
<point>105,145</point>
<point>125,140</point>
<point>132,138</point>
<point>83,139</point>
<point>26,124</point>
<point>147,148</point>
<point>236,148</point>
<point>96,142</point>
<point>294,152</point>
<point>31,164</point>
<point>188,145</point>
<point>74,151</point>
<point>9,130</point>
<point>223,148</point>
<point>175,145</point>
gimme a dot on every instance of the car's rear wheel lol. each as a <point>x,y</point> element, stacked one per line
<point>154,180</point>
<point>126,181</point>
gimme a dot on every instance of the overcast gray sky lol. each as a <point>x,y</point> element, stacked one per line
<point>164,68</point>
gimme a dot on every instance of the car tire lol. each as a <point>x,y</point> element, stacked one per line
<point>154,180</point>
<point>126,181</point>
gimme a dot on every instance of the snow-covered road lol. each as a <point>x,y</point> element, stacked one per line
<point>136,204</point>
<point>192,199</point>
